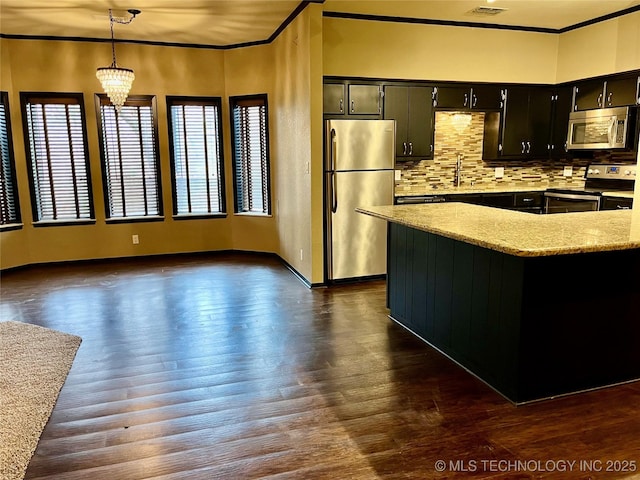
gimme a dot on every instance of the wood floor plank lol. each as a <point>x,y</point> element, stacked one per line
<point>227,367</point>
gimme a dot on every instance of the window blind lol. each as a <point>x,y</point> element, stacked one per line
<point>57,150</point>
<point>9,210</point>
<point>130,158</point>
<point>251,154</point>
<point>196,155</point>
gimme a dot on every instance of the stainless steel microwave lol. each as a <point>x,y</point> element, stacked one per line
<point>601,129</point>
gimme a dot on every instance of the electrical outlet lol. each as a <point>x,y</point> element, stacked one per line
<point>499,172</point>
<point>135,239</point>
<point>568,171</point>
<point>398,175</point>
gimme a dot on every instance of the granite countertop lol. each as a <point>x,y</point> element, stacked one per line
<point>519,233</point>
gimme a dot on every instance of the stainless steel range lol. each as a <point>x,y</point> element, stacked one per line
<point>602,183</point>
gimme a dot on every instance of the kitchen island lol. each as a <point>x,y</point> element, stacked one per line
<point>534,305</point>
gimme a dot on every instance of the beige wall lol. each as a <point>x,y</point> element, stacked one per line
<point>292,143</point>
<point>317,144</point>
<point>298,143</point>
<point>606,47</point>
<point>364,48</point>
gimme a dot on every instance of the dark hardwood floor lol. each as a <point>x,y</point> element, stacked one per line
<point>227,367</point>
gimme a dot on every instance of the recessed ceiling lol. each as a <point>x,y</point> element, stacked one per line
<point>232,22</point>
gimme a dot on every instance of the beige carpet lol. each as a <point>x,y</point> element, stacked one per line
<point>34,363</point>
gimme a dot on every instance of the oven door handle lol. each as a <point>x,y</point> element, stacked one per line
<point>569,196</point>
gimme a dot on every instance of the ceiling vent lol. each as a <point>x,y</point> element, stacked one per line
<point>486,11</point>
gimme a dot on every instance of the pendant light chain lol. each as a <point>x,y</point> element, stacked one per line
<point>113,42</point>
<point>116,81</point>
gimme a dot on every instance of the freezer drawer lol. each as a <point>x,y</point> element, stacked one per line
<point>357,244</point>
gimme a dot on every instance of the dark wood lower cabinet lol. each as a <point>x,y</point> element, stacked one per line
<point>530,327</point>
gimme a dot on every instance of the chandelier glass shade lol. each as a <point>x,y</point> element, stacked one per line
<point>116,81</point>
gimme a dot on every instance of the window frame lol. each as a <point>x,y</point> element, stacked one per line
<point>17,221</point>
<point>175,100</point>
<point>100,99</point>
<point>256,99</point>
<point>79,97</point>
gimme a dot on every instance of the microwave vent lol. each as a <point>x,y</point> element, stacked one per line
<point>486,11</point>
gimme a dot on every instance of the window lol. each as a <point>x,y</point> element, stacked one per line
<point>195,139</point>
<point>130,166</point>
<point>9,208</point>
<point>251,154</point>
<point>56,146</point>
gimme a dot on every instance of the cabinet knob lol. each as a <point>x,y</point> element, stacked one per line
<point>609,98</point>
<point>466,100</point>
<point>600,100</point>
<point>410,148</point>
<point>341,106</point>
<point>353,106</point>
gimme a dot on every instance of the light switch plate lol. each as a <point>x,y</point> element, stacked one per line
<point>568,171</point>
<point>499,172</point>
<point>398,175</point>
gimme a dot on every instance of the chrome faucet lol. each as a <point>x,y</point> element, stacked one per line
<point>458,174</point>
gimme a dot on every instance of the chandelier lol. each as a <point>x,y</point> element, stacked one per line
<point>116,81</point>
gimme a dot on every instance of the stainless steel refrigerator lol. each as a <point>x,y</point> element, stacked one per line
<point>359,172</point>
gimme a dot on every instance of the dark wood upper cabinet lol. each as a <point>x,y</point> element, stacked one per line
<point>477,97</point>
<point>561,109</point>
<point>411,108</point>
<point>620,92</point>
<point>588,95</point>
<point>515,123</point>
<point>333,100</point>
<point>614,91</point>
<point>486,97</point>
<point>526,123</point>
<point>364,100</point>
<point>452,97</point>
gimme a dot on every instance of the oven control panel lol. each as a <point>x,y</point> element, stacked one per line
<point>613,172</point>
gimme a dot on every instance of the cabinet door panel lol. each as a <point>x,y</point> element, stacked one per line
<point>396,106</point>
<point>621,92</point>
<point>515,128</point>
<point>453,97</point>
<point>560,122</point>
<point>539,136</point>
<point>589,95</point>
<point>420,125</point>
<point>333,98</point>
<point>364,99</point>
<point>486,97</point>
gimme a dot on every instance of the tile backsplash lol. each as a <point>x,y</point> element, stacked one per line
<point>462,133</point>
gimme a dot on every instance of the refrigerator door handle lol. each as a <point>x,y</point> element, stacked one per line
<point>332,150</point>
<point>334,193</point>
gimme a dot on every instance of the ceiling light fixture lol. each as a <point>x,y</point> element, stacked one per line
<point>116,81</point>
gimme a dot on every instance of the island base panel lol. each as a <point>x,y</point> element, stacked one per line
<point>531,327</point>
